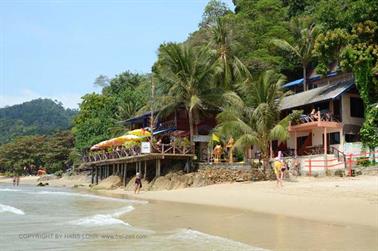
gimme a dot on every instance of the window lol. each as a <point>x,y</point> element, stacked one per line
<point>356,107</point>
<point>334,138</point>
<point>352,138</point>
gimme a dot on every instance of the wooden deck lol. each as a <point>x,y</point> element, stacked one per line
<point>137,158</point>
<point>126,163</point>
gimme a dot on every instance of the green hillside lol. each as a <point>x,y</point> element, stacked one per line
<point>39,116</point>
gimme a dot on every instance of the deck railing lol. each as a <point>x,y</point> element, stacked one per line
<point>136,151</point>
<point>316,117</point>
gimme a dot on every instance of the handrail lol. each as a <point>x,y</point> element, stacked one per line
<point>136,151</point>
<point>338,154</point>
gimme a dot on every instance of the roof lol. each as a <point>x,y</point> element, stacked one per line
<point>300,81</point>
<point>139,118</point>
<point>316,95</point>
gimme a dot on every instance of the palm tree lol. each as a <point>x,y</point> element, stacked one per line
<point>185,78</point>
<point>302,48</point>
<point>254,117</point>
<point>232,69</point>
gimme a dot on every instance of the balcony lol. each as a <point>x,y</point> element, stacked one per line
<point>314,120</point>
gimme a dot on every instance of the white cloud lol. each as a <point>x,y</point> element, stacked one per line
<point>69,100</point>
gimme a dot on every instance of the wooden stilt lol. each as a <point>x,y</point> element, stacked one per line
<point>145,170</point>
<point>96,175</point>
<point>124,174</point>
<point>93,173</point>
<point>158,168</point>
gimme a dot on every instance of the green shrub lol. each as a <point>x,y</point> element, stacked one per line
<point>363,161</point>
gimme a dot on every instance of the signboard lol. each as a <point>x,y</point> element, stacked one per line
<point>145,147</point>
<point>201,138</point>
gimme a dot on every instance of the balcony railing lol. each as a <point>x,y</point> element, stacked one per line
<point>136,151</point>
<point>319,116</point>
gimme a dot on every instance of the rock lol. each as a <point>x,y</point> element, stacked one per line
<point>111,182</point>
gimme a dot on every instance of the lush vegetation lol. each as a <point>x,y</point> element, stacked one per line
<point>36,117</point>
<point>36,133</point>
<point>234,63</point>
<point>27,153</point>
<point>100,114</point>
<point>237,55</point>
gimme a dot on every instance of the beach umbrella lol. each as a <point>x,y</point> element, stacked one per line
<point>140,132</point>
<point>130,137</point>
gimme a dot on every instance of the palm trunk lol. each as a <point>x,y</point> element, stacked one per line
<point>190,113</point>
<point>304,78</point>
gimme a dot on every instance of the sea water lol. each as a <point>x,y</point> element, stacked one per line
<point>60,219</point>
<point>40,218</point>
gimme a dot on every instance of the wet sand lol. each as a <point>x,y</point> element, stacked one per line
<point>273,232</point>
<point>330,200</point>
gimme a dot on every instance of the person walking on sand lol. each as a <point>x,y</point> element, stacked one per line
<point>279,168</point>
<point>138,183</point>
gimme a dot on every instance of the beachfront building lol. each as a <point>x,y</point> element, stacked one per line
<point>332,116</point>
<point>175,125</point>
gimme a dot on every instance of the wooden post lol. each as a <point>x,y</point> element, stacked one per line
<point>158,168</point>
<point>295,144</point>
<point>145,170</point>
<point>309,168</point>
<point>325,149</point>
<point>124,174</point>
<point>113,170</point>
<point>350,164</point>
<point>93,173</point>
<point>100,172</point>
<point>96,175</point>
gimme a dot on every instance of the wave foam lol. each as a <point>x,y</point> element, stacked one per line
<point>104,219</point>
<point>198,237</point>
<point>6,208</point>
<point>91,196</point>
<point>9,190</point>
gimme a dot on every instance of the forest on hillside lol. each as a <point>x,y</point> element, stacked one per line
<point>36,117</point>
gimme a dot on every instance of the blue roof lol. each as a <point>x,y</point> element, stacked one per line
<point>164,131</point>
<point>300,81</point>
<point>293,83</point>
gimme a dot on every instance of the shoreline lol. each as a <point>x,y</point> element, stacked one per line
<point>333,200</point>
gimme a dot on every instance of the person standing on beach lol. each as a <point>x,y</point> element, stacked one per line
<point>138,183</point>
<point>279,169</point>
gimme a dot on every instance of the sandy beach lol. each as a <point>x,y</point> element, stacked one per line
<point>327,199</point>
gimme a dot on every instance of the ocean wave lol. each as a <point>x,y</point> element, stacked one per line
<point>6,208</point>
<point>104,219</point>
<point>90,196</point>
<point>193,236</point>
<point>9,190</point>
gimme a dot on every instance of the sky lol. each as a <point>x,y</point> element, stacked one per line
<point>55,49</point>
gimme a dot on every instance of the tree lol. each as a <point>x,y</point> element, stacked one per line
<point>50,151</point>
<point>302,48</point>
<point>254,25</point>
<point>254,117</point>
<point>101,81</point>
<point>92,123</point>
<point>185,76</point>
<point>233,70</point>
<point>361,56</point>
<point>213,11</point>
<point>327,48</point>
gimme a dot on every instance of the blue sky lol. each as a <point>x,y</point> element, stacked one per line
<point>56,49</point>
